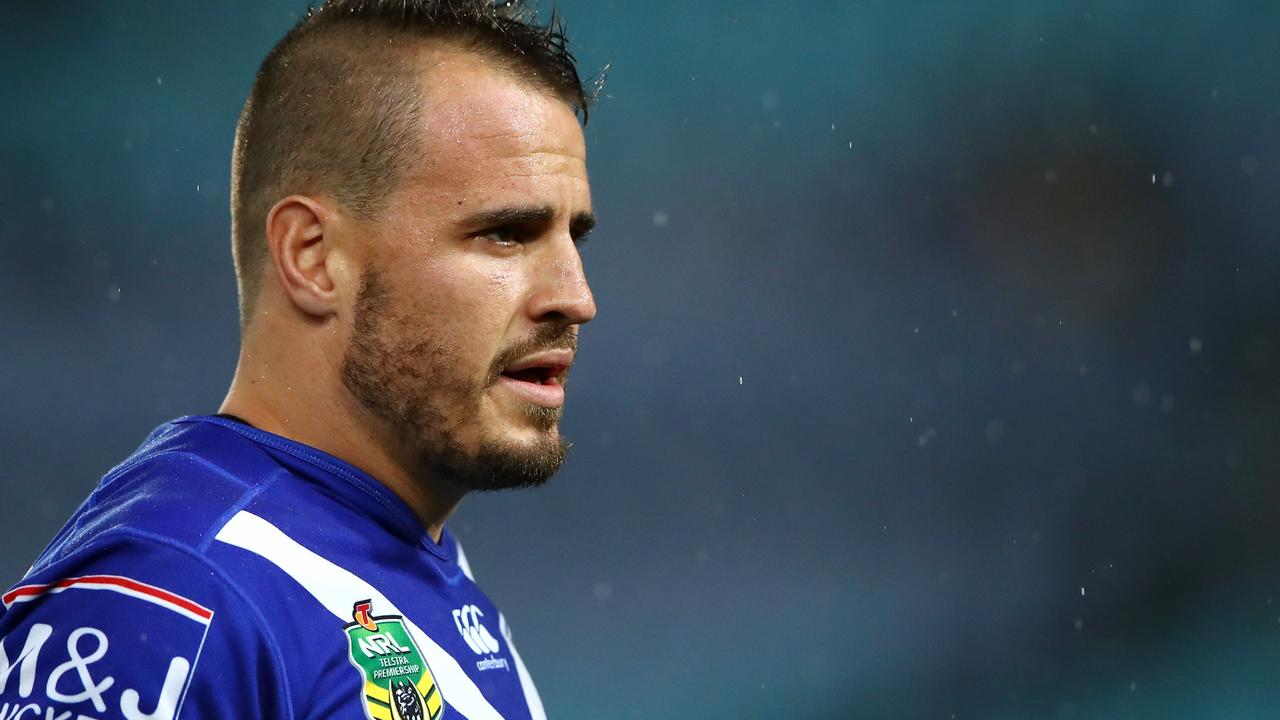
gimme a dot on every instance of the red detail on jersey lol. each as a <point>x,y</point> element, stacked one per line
<point>159,595</point>
<point>360,613</point>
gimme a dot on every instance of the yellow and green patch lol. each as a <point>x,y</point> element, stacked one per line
<point>398,685</point>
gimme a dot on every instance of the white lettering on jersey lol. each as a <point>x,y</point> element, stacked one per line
<point>89,690</point>
<point>76,676</point>
<point>167,706</point>
<point>62,687</point>
<point>36,638</point>
<point>381,644</point>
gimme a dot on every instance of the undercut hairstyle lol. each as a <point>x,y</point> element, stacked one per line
<point>335,104</point>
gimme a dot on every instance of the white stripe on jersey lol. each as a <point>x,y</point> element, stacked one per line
<point>462,561</point>
<point>335,587</point>
<point>526,682</point>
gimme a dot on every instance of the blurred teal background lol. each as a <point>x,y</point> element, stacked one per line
<point>936,373</point>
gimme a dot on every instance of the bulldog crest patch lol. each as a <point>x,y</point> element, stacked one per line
<point>398,685</point>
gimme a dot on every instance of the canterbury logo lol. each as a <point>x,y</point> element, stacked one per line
<point>478,637</point>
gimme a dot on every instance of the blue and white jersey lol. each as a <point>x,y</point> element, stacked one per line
<point>225,572</point>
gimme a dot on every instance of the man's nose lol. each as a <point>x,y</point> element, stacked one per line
<point>560,288</point>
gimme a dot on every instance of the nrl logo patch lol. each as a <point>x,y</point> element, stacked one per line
<point>397,682</point>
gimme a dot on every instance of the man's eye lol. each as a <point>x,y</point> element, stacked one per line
<point>501,236</point>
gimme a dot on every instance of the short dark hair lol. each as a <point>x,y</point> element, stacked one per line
<point>333,106</point>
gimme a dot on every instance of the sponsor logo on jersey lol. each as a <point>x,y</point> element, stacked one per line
<point>398,685</point>
<point>482,642</point>
<point>135,664</point>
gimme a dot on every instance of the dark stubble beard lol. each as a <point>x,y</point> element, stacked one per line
<point>417,388</point>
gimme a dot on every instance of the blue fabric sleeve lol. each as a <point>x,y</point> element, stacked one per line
<point>138,628</point>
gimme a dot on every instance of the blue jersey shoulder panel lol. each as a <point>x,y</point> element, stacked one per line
<point>138,627</point>
<point>222,561</point>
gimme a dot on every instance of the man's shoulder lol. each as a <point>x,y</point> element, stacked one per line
<point>138,576</point>
<point>152,621</point>
<point>179,486</point>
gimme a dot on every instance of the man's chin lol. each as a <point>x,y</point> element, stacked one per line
<point>524,457</point>
<point>544,420</point>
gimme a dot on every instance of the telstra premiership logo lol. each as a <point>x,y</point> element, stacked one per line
<point>398,685</point>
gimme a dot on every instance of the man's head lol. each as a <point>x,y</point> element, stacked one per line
<point>409,192</point>
<point>335,105</point>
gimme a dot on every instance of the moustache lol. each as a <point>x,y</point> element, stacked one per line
<point>545,337</point>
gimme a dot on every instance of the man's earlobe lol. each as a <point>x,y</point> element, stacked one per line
<point>300,253</point>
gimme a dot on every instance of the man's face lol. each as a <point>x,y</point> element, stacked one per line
<point>473,289</point>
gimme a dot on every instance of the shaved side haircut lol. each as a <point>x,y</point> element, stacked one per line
<point>334,107</point>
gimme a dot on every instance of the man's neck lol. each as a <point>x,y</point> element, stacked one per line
<point>337,426</point>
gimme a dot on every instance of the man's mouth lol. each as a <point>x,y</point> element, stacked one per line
<point>539,378</point>
<point>539,375</point>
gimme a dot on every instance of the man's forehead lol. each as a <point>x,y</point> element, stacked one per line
<point>474,106</point>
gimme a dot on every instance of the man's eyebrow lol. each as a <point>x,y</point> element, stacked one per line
<point>582,223</point>
<point>579,225</point>
<point>509,216</point>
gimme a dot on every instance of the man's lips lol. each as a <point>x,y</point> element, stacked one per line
<point>546,367</point>
<point>539,378</point>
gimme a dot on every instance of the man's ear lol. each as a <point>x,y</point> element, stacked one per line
<point>302,254</point>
